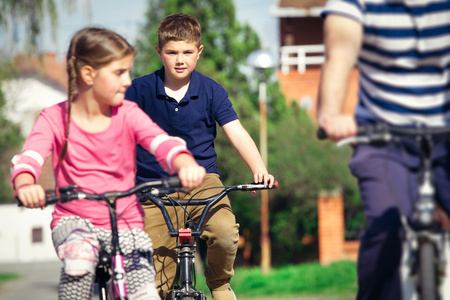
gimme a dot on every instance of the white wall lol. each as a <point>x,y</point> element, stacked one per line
<point>25,98</point>
<point>16,226</point>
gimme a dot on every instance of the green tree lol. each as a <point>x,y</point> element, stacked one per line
<point>302,165</point>
<point>15,14</point>
<point>10,138</point>
<point>227,42</point>
<point>31,15</point>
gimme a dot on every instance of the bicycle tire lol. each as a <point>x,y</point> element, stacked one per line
<point>427,272</point>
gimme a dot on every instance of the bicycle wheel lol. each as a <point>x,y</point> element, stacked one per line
<point>427,272</point>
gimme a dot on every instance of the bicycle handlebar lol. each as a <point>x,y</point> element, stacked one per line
<point>208,202</point>
<point>382,132</point>
<point>156,187</point>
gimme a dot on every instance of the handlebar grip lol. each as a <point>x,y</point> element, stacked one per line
<point>321,134</point>
<point>51,197</point>
<point>257,186</point>
<point>173,181</point>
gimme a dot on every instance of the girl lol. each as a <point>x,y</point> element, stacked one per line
<point>99,153</point>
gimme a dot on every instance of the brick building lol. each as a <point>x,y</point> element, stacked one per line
<point>301,55</point>
<point>302,52</point>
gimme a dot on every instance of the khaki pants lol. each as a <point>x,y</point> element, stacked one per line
<point>220,231</point>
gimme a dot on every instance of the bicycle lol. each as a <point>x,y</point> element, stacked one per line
<point>426,247</point>
<point>186,244</point>
<point>111,266</point>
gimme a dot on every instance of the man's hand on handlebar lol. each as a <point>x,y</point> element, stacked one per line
<point>338,127</point>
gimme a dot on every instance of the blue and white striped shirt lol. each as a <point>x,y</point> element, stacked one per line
<point>404,62</point>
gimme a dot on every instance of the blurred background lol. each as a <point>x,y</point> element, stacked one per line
<point>314,216</point>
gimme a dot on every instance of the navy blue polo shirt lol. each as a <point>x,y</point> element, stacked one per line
<point>193,118</point>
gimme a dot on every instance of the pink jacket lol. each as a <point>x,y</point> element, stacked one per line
<point>97,162</point>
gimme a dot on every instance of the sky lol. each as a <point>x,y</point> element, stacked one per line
<point>127,20</point>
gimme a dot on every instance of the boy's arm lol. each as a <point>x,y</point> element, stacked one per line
<point>245,146</point>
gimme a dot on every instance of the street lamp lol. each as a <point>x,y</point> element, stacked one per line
<point>261,60</point>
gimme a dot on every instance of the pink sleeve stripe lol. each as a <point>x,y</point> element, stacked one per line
<point>157,141</point>
<point>165,148</point>
<point>23,168</point>
<point>34,155</point>
<point>172,155</point>
<point>19,169</point>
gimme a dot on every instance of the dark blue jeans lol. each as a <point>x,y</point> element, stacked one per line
<point>387,178</point>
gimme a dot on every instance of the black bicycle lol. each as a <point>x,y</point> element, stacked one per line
<point>186,235</point>
<point>110,266</point>
<point>426,241</point>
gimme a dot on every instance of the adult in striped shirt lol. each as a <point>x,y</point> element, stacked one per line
<point>402,51</point>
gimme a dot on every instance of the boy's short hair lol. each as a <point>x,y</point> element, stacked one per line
<point>179,27</point>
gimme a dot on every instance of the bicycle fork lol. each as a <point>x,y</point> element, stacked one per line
<point>186,260</point>
<point>425,241</point>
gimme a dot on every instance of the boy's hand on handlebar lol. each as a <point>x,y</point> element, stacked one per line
<point>264,177</point>
<point>31,196</point>
<point>338,127</point>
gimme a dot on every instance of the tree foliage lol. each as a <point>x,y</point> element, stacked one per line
<point>302,165</point>
<point>31,14</point>
<point>227,42</point>
<point>10,137</point>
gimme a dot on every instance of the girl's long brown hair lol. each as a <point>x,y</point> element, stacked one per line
<point>95,47</point>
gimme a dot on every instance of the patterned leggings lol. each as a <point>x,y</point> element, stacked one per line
<point>136,247</point>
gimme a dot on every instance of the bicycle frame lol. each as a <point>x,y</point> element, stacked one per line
<point>115,261</point>
<point>117,265</point>
<point>425,242</point>
<point>424,260</point>
<point>186,236</point>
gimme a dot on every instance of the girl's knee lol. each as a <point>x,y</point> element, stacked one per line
<point>79,253</point>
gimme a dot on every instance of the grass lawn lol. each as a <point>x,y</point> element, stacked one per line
<point>7,276</point>
<point>308,279</point>
<point>336,279</point>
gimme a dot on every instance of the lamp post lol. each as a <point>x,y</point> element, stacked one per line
<point>261,60</point>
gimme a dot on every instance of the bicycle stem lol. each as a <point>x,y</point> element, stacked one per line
<point>424,205</point>
<point>119,275</point>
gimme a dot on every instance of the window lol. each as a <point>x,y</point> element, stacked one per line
<point>36,235</point>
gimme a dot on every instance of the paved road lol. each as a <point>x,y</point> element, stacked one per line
<point>39,281</point>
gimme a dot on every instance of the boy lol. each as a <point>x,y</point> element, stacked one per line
<point>188,104</point>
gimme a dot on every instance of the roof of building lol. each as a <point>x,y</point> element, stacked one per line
<point>297,8</point>
<point>42,82</point>
<point>301,3</point>
<point>47,66</point>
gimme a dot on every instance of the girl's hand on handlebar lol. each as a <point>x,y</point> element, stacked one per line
<point>191,176</point>
<point>31,196</point>
<point>338,127</point>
